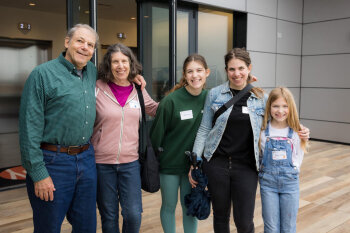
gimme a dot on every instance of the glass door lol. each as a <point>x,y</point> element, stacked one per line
<point>199,29</point>
<point>215,41</point>
<point>186,35</point>
<point>155,44</point>
<point>154,47</point>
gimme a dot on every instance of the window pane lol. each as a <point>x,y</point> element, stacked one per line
<point>155,54</point>
<point>214,42</point>
<point>182,41</point>
<point>116,25</point>
<point>78,12</point>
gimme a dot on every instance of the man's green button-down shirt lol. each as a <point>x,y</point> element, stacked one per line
<point>58,107</point>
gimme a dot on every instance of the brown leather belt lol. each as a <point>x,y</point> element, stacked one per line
<point>71,150</point>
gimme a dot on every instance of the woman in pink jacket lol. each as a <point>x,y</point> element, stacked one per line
<point>116,140</point>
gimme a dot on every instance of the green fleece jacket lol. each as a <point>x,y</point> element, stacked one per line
<point>175,127</point>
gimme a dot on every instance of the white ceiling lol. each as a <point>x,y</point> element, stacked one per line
<point>106,9</point>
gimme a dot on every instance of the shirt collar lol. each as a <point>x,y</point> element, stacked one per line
<point>70,67</point>
<point>226,89</point>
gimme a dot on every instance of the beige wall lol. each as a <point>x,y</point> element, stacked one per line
<point>45,26</point>
<point>50,26</point>
<point>108,29</point>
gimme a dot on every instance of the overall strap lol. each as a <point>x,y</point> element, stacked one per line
<point>267,130</point>
<point>290,133</point>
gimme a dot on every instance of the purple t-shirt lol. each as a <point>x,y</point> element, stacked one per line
<point>121,93</point>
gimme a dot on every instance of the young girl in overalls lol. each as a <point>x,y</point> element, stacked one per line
<point>282,153</point>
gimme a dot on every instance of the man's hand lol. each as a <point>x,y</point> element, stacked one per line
<point>44,189</point>
<point>140,81</point>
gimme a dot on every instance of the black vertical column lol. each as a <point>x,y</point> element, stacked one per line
<point>72,7</point>
<point>172,42</point>
<point>93,24</point>
<point>239,29</point>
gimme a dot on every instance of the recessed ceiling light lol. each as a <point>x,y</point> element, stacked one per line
<point>86,12</point>
<point>31,4</point>
<point>132,18</point>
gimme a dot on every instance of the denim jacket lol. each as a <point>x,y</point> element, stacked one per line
<point>208,137</point>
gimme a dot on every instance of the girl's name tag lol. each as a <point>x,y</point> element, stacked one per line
<point>186,115</point>
<point>279,155</point>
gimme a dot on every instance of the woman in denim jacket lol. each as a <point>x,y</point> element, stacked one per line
<point>230,147</point>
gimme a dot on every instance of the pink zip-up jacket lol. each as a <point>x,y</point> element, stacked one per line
<point>116,131</point>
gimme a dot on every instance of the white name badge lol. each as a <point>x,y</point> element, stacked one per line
<point>186,115</point>
<point>279,155</point>
<point>134,104</point>
<point>245,109</point>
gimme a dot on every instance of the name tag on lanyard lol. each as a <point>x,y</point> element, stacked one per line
<point>279,155</point>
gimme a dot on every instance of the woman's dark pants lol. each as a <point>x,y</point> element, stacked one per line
<point>231,182</point>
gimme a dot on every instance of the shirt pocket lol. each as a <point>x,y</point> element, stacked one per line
<point>216,106</point>
<point>260,111</point>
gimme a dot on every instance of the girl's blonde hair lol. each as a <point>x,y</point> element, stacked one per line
<point>193,57</point>
<point>293,117</point>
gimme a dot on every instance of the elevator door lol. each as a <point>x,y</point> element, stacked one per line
<point>18,57</point>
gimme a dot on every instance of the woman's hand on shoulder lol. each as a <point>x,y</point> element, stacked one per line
<point>139,79</point>
<point>253,79</point>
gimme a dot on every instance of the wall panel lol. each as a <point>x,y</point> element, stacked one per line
<point>263,7</point>
<point>320,10</point>
<point>289,37</point>
<point>326,37</point>
<point>288,70</point>
<point>326,71</point>
<point>263,67</point>
<point>261,33</point>
<point>330,131</point>
<point>325,104</point>
<point>290,10</point>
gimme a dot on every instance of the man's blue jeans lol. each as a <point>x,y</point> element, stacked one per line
<point>74,177</point>
<point>119,183</point>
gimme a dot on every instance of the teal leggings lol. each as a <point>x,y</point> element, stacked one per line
<point>169,186</point>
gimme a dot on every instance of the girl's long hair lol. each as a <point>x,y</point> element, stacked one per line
<point>293,117</point>
<point>193,57</point>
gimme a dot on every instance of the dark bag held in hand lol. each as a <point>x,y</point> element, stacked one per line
<point>231,102</point>
<point>149,163</point>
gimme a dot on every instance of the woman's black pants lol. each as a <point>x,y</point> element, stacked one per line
<point>231,181</point>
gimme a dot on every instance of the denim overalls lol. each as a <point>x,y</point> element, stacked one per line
<point>279,185</point>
